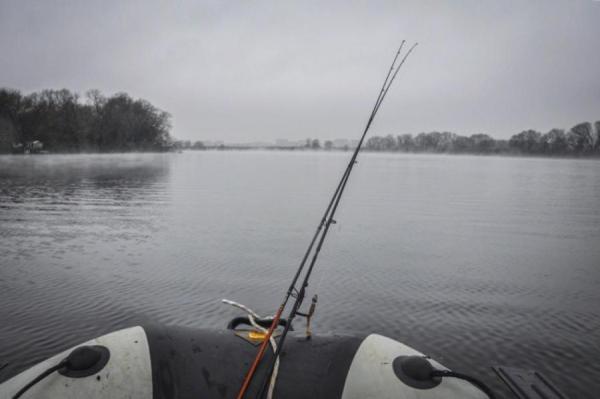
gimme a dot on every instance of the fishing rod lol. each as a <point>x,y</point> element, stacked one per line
<point>321,233</point>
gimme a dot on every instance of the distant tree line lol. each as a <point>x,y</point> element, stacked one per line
<point>581,140</point>
<point>63,122</point>
<point>313,144</point>
<point>309,144</point>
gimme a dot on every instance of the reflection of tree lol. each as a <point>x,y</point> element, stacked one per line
<point>120,177</point>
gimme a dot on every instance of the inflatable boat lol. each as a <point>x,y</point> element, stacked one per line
<point>167,362</point>
<point>174,362</point>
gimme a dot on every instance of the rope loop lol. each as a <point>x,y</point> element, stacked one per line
<point>252,317</point>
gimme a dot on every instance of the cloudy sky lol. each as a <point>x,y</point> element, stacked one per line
<point>257,70</point>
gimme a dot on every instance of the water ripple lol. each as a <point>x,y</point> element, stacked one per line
<point>474,260</point>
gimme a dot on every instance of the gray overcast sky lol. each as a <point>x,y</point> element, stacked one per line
<point>257,70</point>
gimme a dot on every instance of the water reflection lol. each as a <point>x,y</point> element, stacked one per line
<point>69,177</point>
<point>474,260</point>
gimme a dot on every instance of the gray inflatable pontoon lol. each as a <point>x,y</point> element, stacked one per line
<point>172,362</point>
<point>167,362</point>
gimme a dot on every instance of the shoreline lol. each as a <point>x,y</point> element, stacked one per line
<point>296,150</point>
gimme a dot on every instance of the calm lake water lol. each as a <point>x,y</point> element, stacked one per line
<point>476,261</point>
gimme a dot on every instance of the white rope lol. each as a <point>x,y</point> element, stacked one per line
<point>243,307</point>
<point>252,316</point>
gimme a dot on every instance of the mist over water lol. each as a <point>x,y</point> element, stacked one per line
<point>476,261</point>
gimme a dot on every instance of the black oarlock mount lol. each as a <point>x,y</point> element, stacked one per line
<point>81,362</point>
<point>85,361</point>
<point>415,371</point>
<point>418,372</point>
